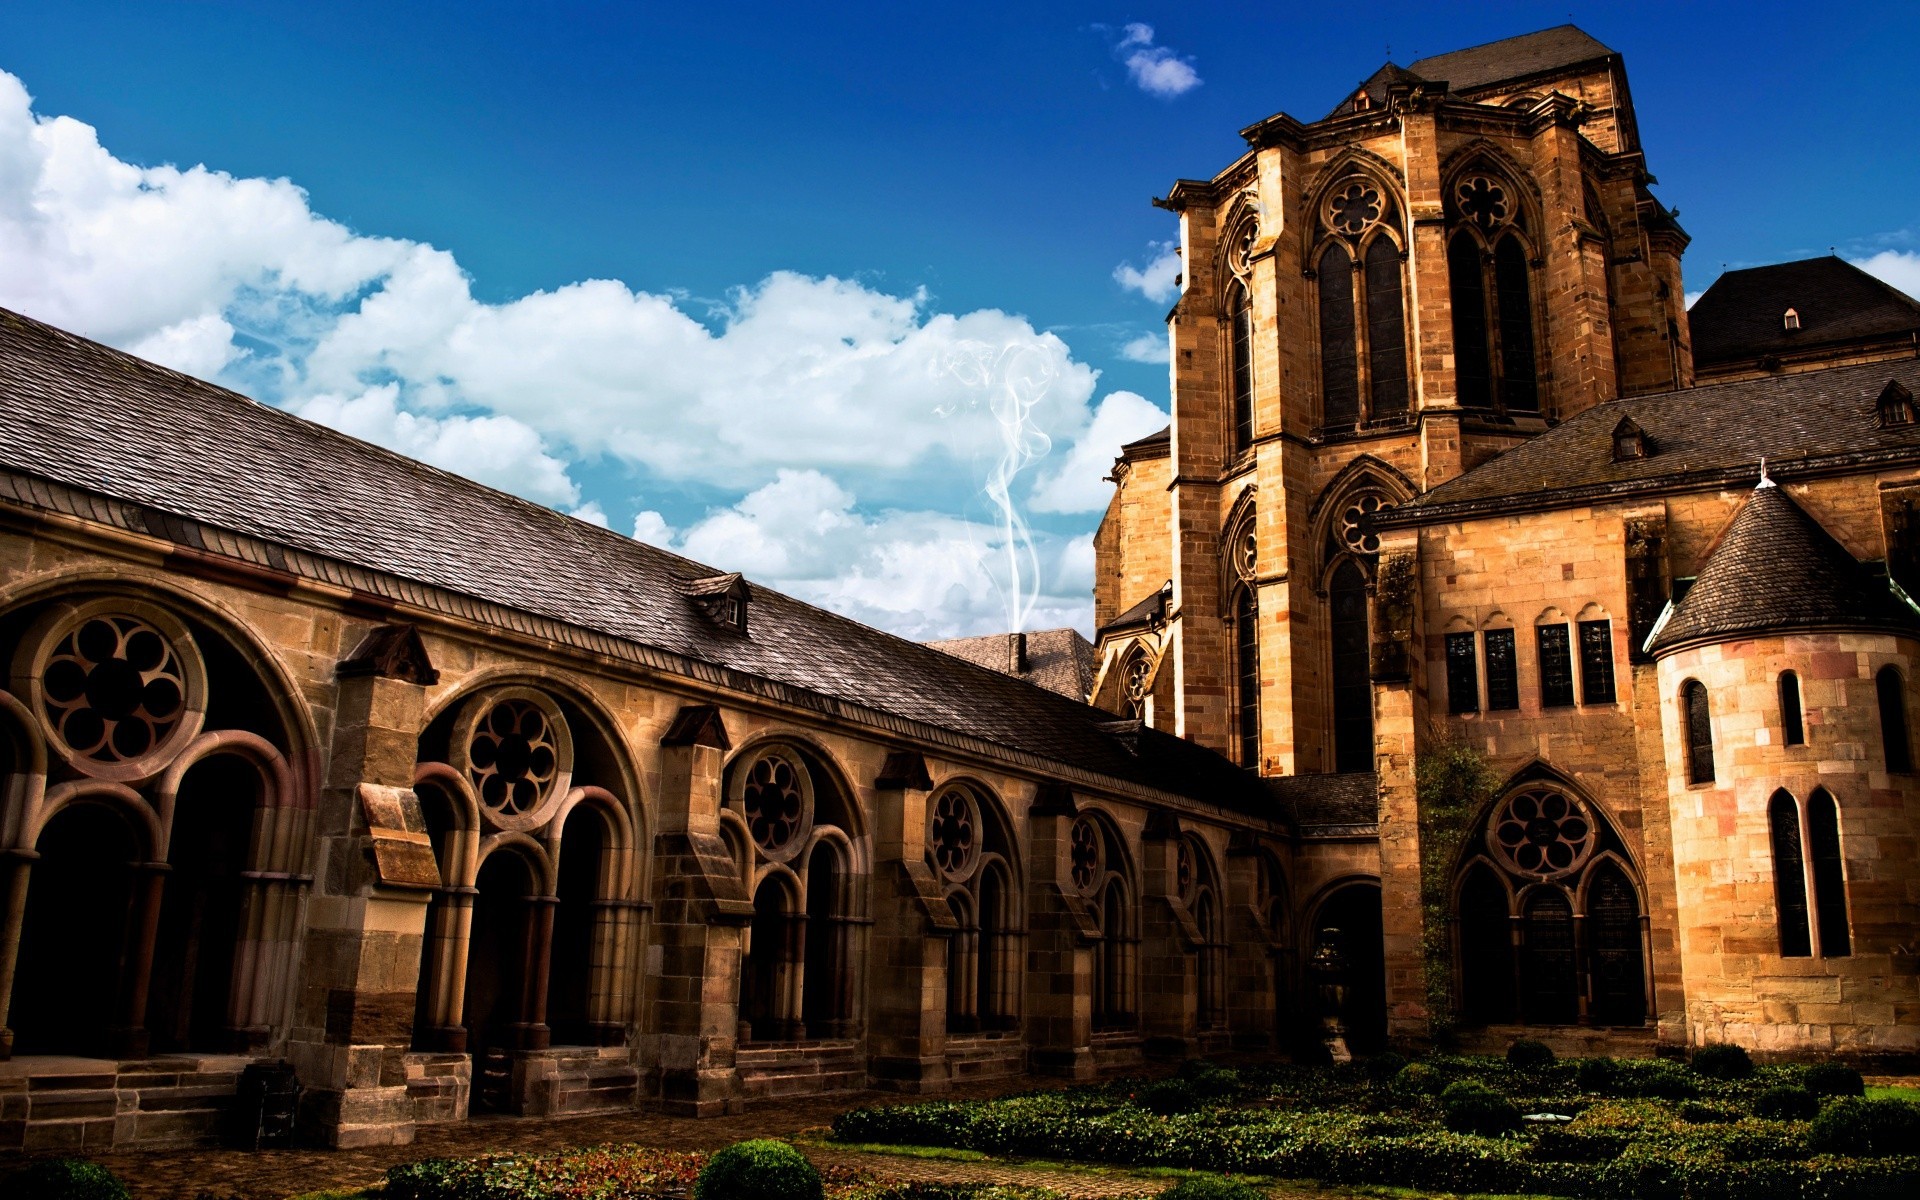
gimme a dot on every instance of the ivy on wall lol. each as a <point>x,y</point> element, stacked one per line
<point>1453,782</point>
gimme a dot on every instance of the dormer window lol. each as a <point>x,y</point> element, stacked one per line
<point>1790,321</point>
<point>1629,441</point>
<point>721,599</point>
<point>1895,405</point>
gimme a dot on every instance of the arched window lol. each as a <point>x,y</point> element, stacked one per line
<point>1352,687</point>
<point>1893,719</point>
<point>1549,974</point>
<point>1793,731</point>
<point>1489,279</point>
<point>1246,652</point>
<point>1518,390</point>
<point>970,846</point>
<point>1829,881</point>
<point>1386,330</point>
<point>1617,967</point>
<point>1467,290</point>
<point>1699,730</point>
<point>1339,361</point>
<point>1789,877</point>
<point>1486,949</point>
<point>1240,352</point>
<point>1101,874</point>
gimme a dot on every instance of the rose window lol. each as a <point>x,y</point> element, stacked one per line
<point>513,757</point>
<point>775,802</point>
<point>1246,553</point>
<point>1482,201</point>
<point>1354,524</point>
<point>1354,207</point>
<point>1138,669</point>
<point>114,689</point>
<point>1542,833</point>
<point>956,833</point>
<point>1087,854</point>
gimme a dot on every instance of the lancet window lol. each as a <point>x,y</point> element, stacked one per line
<point>1238,311</point>
<point>1809,880</point>
<point>1243,551</point>
<point>1102,875</point>
<point>1359,272</point>
<point>970,846</point>
<point>1490,284</point>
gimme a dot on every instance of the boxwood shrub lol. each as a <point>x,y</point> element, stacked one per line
<point>1723,1061</point>
<point>761,1169</point>
<point>1868,1128</point>
<point>1528,1054</point>
<point>1211,1187</point>
<point>1833,1079</point>
<point>1597,1075</point>
<point>64,1179</point>
<point>1787,1103</point>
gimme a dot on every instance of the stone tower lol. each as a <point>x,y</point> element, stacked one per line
<point>1461,254</point>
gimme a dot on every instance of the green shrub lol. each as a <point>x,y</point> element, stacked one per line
<point>1419,1077</point>
<point>1529,1055</point>
<point>1787,1103</point>
<point>1723,1061</point>
<point>1656,1078</point>
<point>1211,1187</point>
<point>1215,1083</point>
<point>1596,1074</point>
<point>1168,1097</point>
<point>1695,1112</point>
<point>762,1169</point>
<point>65,1179</point>
<point>1833,1079</point>
<point>1473,1107</point>
<point>1381,1068</point>
<point>1562,1145</point>
<point>1866,1128</point>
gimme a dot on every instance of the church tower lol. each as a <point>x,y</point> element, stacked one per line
<point>1461,254</point>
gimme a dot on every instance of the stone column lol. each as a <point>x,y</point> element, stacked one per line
<point>701,912</point>
<point>913,930</point>
<point>1169,946</point>
<point>1399,665</point>
<point>1061,933</point>
<point>1252,952</point>
<point>353,1017</point>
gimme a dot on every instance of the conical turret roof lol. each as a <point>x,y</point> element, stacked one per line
<point>1775,570</point>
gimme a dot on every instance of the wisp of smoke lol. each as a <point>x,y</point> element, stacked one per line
<point>1014,379</point>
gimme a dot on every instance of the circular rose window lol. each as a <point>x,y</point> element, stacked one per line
<point>1354,207</point>
<point>115,689</point>
<point>777,800</point>
<point>1542,833</point>
<point>1355,530</point>
<point>515,749</point>
<point>955,833</point>
<point>1087,853</point>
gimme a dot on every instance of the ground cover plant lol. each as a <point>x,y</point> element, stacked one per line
<point>1646,1129</point>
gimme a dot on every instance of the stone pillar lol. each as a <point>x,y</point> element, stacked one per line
<point>1398,716</point>
<point>913,930</point>
<point>1253,961</point>
<point>353,1018</point>
<point>1061,933</point>
<point>1169,946</point>
<point>701,912</point>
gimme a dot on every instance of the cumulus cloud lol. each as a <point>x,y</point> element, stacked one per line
<point>1077,483</point>
<point>1159,280</point>
<point>1901,268</point>
<point>1155,70</point>
<point>819,389</point>
<point>1147,348</point>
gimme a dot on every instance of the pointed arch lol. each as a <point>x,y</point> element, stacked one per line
<point>1789,876</point>
<point>1348,598</point>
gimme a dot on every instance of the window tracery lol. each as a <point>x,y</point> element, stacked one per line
<point>1087,852</point>
<point>1542,833</point>
<point>1489,277</point>
<point>955,832</point>
<point>1359,268</point>
<point>1139,673</point>
<point>515,750</point>
<point>775,794</point>
<point>113,689</point>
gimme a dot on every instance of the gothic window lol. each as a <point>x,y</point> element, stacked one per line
<point>1893,720</point>
<point>1549,974</point>
<point>1486,949</point>
<point>1793,729</point>
<point>1490,286</point>
<point>1246,650</point>
<point>1473,372</point>
<point>1503,673</point>
<point>1097,863</point>
<point>1339,366</point>
<point>1789,877</point>
<point>1240,329</point>
<point>1829,882</point>
<point>1137,675</point>
<point>1556,666</point>
<point>1617,968</point>
<point>1352,687</point>
<point>969,845</point>
<point>1463,674</point>
<point>1699,731</point>
<point>1596,661</point>
<point>1386,330</point>
<point>1518,390</point>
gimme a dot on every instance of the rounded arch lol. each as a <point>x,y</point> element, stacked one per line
<point>117,796</point>
<point>276,777</point>
<point>25,770</point>
<point>830,767</point>
<point>622,841</point>
<point>539,866</point>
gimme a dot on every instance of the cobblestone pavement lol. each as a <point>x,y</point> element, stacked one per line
<point>276,1174</point>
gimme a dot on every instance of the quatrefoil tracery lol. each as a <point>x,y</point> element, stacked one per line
<point>114,689</point>
<point>1542,833</point>
<point>955,833</point>
<point>515,749</point>
<point>777,797</point>
<point>1087,852</point>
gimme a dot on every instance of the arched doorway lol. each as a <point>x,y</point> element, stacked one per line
<point>824,991</point>
<point>500,954</point>
<point>75,936</point>
<point>202,909</point>
<point>579,925</point>
<point>767,1005</point>
<point>1354,910</point>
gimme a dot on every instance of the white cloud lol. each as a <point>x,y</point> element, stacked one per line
<point>1155,70</point>
<point>1077,483</point>
<point>1690,297</point>
<point>1901,268</point>
<point>200,345</point>
<point>1159,280</point>
<point>1147,348</point>
<point>592,514</point>
<point>652,528</point>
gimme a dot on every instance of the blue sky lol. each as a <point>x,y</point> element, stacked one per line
<point>834,240</point>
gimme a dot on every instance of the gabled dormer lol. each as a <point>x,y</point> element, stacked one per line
<point>721,599</point>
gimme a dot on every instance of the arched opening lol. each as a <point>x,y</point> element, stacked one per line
<point>1829,880</point>
<point>1111,1009</point>
<point>1792,728</point>
<point>1699,728</point>
<point>1212,965</point>
<point>1386,330</point>
<point>1467,290</point>
<point>1240,325</point>
<point>1519,390</point>
<point>1354,911</point>
<point>1339,354</point>
<point>1789,877</point>
<point>997,958</point>
<point>585,887</point>
<point>766,1003</point>
<point>498,960</point>
<point>1892,692</point>
<point>1550,976</point>
<point>1246,652</point>
<point>823,998</point>
<point>1617,969</point>
<point>1352,686</point>
<point>1486,949</point>
<point>69,980</point>
<point>189,1003</point>
<point>964,972</point>
<point>435,1025</point>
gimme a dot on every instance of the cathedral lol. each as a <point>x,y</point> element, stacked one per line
<point>1489,646</point>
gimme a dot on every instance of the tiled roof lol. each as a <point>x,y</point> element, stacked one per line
<point>1706,436</point>
<point>219,473</point>
<point>1376,85</point>
<point>1151,441</point>
<point>1150,611</point>
<point>1059,660</point>
<point>1776,570</point>
<point>1511,58</point>
<point>1742,316</point>
<point>1328,804</point>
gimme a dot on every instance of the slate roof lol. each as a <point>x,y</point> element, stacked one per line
<point>1148,612</point>
<point>1741,316</point>
<point>1152,440</point>
<point>1699,437</point>
<point>1328,804</point>
<point>1775,570</point>
<point>89,430</point>
<point>1512,58</point>
<point>1059,660</point>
